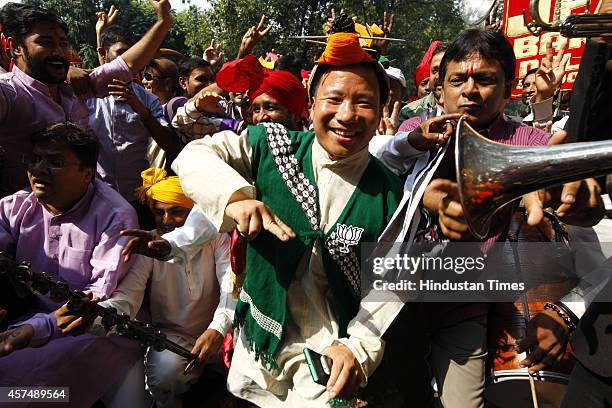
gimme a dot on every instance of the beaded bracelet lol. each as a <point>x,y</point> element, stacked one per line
<point>568,321</point>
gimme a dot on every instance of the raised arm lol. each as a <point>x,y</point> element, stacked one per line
<point>139,55</point>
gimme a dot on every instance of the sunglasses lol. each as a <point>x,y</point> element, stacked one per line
<point>149,77</point>
<point>53,162</point>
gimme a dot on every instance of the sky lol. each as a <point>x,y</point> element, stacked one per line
<point>176,4</point>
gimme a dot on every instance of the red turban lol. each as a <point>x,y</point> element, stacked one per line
<point>424,66</point>
<point>248,74</point>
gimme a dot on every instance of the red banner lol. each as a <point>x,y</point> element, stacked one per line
<point>529,49</point>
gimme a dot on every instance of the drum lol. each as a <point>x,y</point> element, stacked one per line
<point>508,383</point>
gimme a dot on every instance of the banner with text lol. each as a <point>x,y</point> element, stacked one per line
<point>529,49</point>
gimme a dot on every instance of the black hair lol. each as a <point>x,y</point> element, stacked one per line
<point>291,63</point>
<point>530,72</point>
<point>186,67</point>
<point>381,76</point>
<point>488,44</point>
<point>18,19</point>
<point>81,141</point>
<point>114,35</point>
<point>440,48</point>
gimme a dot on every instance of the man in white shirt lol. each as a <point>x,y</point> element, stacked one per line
<point>189,297</point>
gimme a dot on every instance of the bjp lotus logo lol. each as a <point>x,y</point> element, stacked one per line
<point>347,235</point>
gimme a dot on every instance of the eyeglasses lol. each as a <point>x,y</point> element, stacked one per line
<point>149,77</point>
<point>53,162</point>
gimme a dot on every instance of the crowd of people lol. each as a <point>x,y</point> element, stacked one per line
<point>226,205</point>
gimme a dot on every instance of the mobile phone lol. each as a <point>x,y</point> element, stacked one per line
<point>318,365</point>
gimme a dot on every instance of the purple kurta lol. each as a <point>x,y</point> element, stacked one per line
<point>27,107</point>
<point>83,247</point>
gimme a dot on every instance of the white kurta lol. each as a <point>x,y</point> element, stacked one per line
<point>185,299</point>
<point>211,170</point>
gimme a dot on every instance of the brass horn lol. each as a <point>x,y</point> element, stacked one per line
<point>474,12</point>
<point>491,174</point>
<point>574,25</point>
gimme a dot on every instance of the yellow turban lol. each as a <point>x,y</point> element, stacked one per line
<point>157,186</point>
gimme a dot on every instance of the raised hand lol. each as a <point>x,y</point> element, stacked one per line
<point>327,27</point>
<point>492,23</point>
<point>388,121</point>
<point>208,102</point>
<point>550,73</point>
<point>106,20</point>
<point>162,9</point>
<point>252,37</point>
<point>125,94</point>
<point>387,27</point>
<point>145,243</point>
<point>433,132</point>
<point>213,54</point>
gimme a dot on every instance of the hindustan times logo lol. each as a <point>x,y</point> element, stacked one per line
<point>412,264</point>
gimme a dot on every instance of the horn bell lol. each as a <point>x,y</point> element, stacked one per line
<point>491,175</point>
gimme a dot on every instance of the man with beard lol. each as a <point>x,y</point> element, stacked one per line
<point>34,95</point>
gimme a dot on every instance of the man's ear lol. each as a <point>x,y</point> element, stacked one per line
<point>14,49</point>
<point>90,173</point>
<point>510,85</point>
<point>101,52</point>
<point>183,83</point>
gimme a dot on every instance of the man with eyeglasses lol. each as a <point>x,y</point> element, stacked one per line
<point>35,95</point>
<point>66,224</point>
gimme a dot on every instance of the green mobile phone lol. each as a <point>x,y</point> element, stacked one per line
<point>318,366</point>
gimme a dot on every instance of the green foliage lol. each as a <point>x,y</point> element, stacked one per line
<point>417,21</point>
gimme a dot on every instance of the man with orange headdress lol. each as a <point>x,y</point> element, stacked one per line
<point>316,196</point>
<point>189,297</point>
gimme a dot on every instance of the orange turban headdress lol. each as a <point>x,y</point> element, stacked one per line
<point>157,186</point>
<point>343,49</point>
<point>248,74</point>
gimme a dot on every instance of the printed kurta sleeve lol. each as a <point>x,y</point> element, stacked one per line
<point>224,314</point>
<point>211,170</point>
<point>190,120</point>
